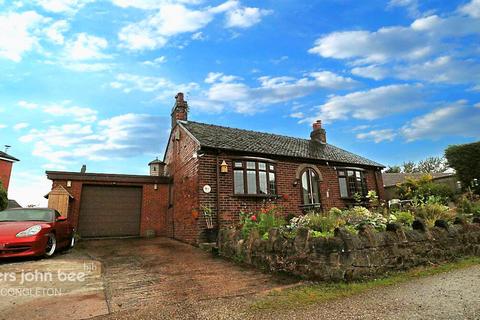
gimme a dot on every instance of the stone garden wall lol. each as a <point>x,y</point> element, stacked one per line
<point>351,257</point>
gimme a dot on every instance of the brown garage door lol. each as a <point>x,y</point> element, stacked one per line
<point>107,211</point>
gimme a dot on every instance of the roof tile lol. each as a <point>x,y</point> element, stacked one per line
<point>218,137</point>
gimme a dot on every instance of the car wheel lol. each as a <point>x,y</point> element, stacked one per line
<point>51,245</point>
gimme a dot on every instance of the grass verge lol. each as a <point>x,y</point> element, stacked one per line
<point>315,293</point>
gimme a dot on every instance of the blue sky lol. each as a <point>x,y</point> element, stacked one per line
<point>93,81</point>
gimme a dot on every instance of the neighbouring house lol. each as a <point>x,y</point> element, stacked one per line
<point>12,204</point>
<point>6,165</point>
<point>220,170</point>
<point>391,180</point>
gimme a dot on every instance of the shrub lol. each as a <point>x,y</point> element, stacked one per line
<point>405,218</point>
<point>320,234</point>
<point>467,207</point>
<point>360,216</point>
<point>335,212</point>
<point>423,188</point>
<point>430,212</point>
<point>262,221</point>
<point>373,198</point>
<point>326,223</point>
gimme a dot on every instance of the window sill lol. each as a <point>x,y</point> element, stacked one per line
<point>261,196</point>
<point>308,207</point>
<point>352,199</point>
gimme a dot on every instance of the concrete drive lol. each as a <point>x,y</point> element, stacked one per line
<point>109,276</point>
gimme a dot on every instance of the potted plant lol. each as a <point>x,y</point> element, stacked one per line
<point>210,232</point>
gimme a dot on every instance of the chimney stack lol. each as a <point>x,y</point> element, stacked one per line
<point>318,134</point>
<point>180,109</point>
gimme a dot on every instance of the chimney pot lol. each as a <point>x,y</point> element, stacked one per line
<point>317,125</point>
<point>179,97</point>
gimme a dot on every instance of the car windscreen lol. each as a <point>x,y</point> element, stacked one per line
<point>26,215</point>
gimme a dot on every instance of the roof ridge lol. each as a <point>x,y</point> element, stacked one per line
<point>248,130</point>
<point>7,156</point>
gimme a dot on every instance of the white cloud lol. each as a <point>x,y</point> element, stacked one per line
<point>229,90</point>
<point>378,135</point>
<point>86,47</point>
<point>219,76</point>
<point>63,6</point>
<point>380,46</point>
<point>86,67</point>
<point>160,86</point>
<point>373,72</point>
<point>19,33</point>
<point>3,126</point>
<point>423,38</point>
<point>297,115</point>
<point>119,137</point>
<point>442,69</point>
<point>410,5</point>
<point>472,8</point>
<point>198,36</point>
<point>55,31</point>
<point>21,125</point>
<point>29,187</point>
<point>245,17</point>
<point>361,127</point>
<point>27,105</point>
<point>80,114</point>
<point>155,62</point>
<point>172,18</point>
<point>458,119</point>
<point>85,53</point>
<point>150,4</point>
<point>154,31</point>
<point>372,104</point>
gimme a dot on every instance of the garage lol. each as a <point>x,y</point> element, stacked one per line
<point>110,211</point>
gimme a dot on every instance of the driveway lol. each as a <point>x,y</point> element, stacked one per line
<point>102,277</point>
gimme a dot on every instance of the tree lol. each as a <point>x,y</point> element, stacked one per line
<point>465,159</point>
<point>3,198</point>
<point>409,167</point>
<point>393,169</point>
<point>432,165</point>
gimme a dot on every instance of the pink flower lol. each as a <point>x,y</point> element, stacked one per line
<point>253,218</point>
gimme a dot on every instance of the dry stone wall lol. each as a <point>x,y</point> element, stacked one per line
<point>352,257</point>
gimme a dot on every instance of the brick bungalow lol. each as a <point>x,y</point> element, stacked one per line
<point>228,170</point>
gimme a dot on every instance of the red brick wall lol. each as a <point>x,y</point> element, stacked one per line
<point>291,199</point>
<point>183,168</point>
<point>5,172</point>
<point>154,204</point>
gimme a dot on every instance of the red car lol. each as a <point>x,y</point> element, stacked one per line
<point>34,232</point>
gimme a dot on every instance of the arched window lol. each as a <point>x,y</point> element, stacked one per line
<point>310,187</point>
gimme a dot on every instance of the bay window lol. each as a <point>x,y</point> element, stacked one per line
<point>352,181</point>
<point>254,177</point>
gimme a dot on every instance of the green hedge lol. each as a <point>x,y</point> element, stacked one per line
<point>465,159</point>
